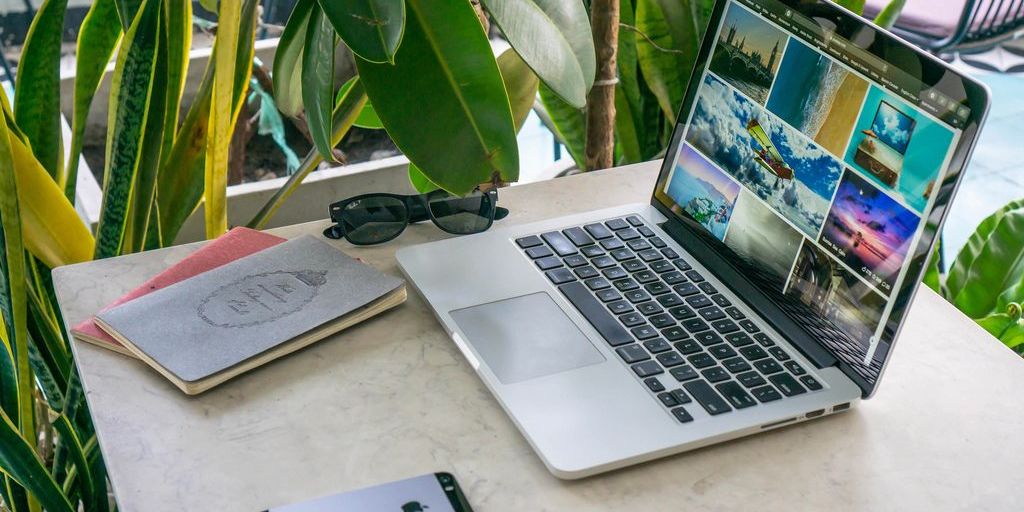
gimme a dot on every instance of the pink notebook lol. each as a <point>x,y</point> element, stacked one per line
<point>235,244</point>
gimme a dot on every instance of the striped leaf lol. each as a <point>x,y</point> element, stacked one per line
<point>372,29</point>
<point>37,91</point>
<point>130,91</point>
<point>288,60</point>
<point>318,81</point>
<point>126,12</point>
<point>91,492</point>
<point>18,460</point>
<point>97,39</point>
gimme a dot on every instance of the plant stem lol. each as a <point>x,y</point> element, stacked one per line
<point>600,144</point>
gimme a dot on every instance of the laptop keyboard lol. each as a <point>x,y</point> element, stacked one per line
<point>665,320</point>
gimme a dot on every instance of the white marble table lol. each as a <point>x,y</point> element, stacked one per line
<point>394,398</point>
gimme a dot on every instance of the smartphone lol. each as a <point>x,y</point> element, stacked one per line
<point>438,492</point>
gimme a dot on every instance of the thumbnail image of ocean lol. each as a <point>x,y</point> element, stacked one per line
<point>703,191</point>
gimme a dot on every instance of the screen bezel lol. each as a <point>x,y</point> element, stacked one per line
<point>933,73</point>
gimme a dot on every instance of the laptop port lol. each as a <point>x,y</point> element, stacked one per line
<point>815,414</point>
<point>841,407</point>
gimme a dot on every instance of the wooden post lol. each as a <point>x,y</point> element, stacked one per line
<point>600,145</point>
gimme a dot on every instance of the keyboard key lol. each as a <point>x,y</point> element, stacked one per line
<point>753,353</point>
<point>657,346</point>
<point>794,368</point>
<point>654,384</point>
<point>668,399</point>
<point>644,332</point>
<point>528,241</point>
<point>764,340</point>
<point>712,313</point>
<point>669,300</point>
<point>707,397</point>
<point>674,333</point>
<point>650,255</point>
<point>560,275</point>
<point>636,296</point>
<point>595,313</point>
<point>765,394</point>
<point>682,265</point>
<point>722,351</point>
<point>632,354</point>
<point>612,244</point>
<point>645,276</point>
<point>548,263</point>
<point>638,245</point>
<point>661,321</point>
<point>681,312</point>
<point>701,360</point>
<point>575,260</point>
<point>598,231</point>
<point>603,262</point>
<point>695,325</point>
<point>670,253</point>
<point>628,234</point>
<point>647,369</point>
<point>721,300</point>
<point>597,283</point>
<point>681,415</point>
<point>657,242</point>
<point>687,347</point>
<point>622,254</point>
<point>725,326</point>
<point>735,394</point>
<point>778,353</point>
<point>608,295</point>
<point>559,243</point>
<point>586,272</point>
<point>736,365</point>
<point>708,288</point>
<point>620,307</point>
<point>625,285</point>
<point>615,273</point>
<point>670,359</point>
<point>578,236</point>
<point>738,339</point>
<point>683,373</point>
<point>645,231</point>
<point>708,338</point>
<point>695,276</point>
<point>767,366</point>
<point>750,379</point>
<point>631,319</point>
<point>686,289</point>
<point>749,326</point>
<point>735,313</point>
<point>662,266</point>
<point>649,308</point>
<point>616,224</point>
<point>538,252</point>
<point>634,221</point>
<point>810,382</point>
<point>787,384</point>
<point>715,374</point>
<point>681,396</point>
<point>698,301</point>
<point>591,251</point>
<point>633,265</point>
<point>656,288</point>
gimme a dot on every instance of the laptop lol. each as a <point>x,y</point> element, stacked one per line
<point>766,282</point>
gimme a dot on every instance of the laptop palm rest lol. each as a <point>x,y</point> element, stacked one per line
<point>525,337</point>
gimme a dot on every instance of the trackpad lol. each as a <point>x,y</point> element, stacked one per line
<point>525,337</point>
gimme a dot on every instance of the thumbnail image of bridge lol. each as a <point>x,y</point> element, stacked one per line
<point>744,67</point>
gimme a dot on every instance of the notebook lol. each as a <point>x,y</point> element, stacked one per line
<point>205,330</point>
<point>235,244</point>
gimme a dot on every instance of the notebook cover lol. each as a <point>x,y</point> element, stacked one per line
<point>237,243</point>
<point>210,323</point>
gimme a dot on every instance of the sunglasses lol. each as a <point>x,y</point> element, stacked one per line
<point>377,218</point>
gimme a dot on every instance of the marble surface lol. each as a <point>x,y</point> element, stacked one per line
<point>393,398</point>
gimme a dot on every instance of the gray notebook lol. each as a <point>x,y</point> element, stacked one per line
<point>207,329</point>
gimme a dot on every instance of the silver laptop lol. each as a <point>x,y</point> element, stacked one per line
<point>767,280</point>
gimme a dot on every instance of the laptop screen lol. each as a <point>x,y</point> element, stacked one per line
<point>816,163</point>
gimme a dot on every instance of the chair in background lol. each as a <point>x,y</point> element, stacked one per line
<point>956,26</point>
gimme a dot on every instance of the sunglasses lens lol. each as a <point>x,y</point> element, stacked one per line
<point>374,219</point>
<point>462,215</point>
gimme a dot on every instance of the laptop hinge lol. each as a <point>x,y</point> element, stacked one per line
<point>752,295</point>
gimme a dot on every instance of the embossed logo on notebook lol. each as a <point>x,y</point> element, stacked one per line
<point>261,298</point>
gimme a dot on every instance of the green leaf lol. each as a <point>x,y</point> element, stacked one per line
<point>130,92</point>
<point>89,488</point>
<point>367,117</point>
<point>668,52</point>
<point>960,269</point>
<point>37,93</point>
<point>18,460</point>
<point>570,123</point>
<point>464,135</point>
<point>318,81</point>
<point>372,29</point>
<point>288,60</point>
<point>520,84</point>
<point>628,126</point>
<point>127,10</point>
<point>419,181</point>
<point>888,16</point>
<point>933,275</point>
<point>554,38</point>
<point>996,267</point>
<point>97,39</point>
<point>855,6</point>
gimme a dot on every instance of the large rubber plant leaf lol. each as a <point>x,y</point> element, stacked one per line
<point>287,74</point>
<point>130,108</point>
<point>318,81</point>
<point>19,460</point>
<point>668,52</point>
<point>372,29</point>
<point>37,89</point>
<point>996,267</point>
<point>628,128</point>
<point>97,39</point>
<point>520,84</point>
<point>419,181</point>
<point>570,123</point>
<point>443,101</point>
<point>554,38</point>
<point>959,271</point>
<point>367,117</point>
